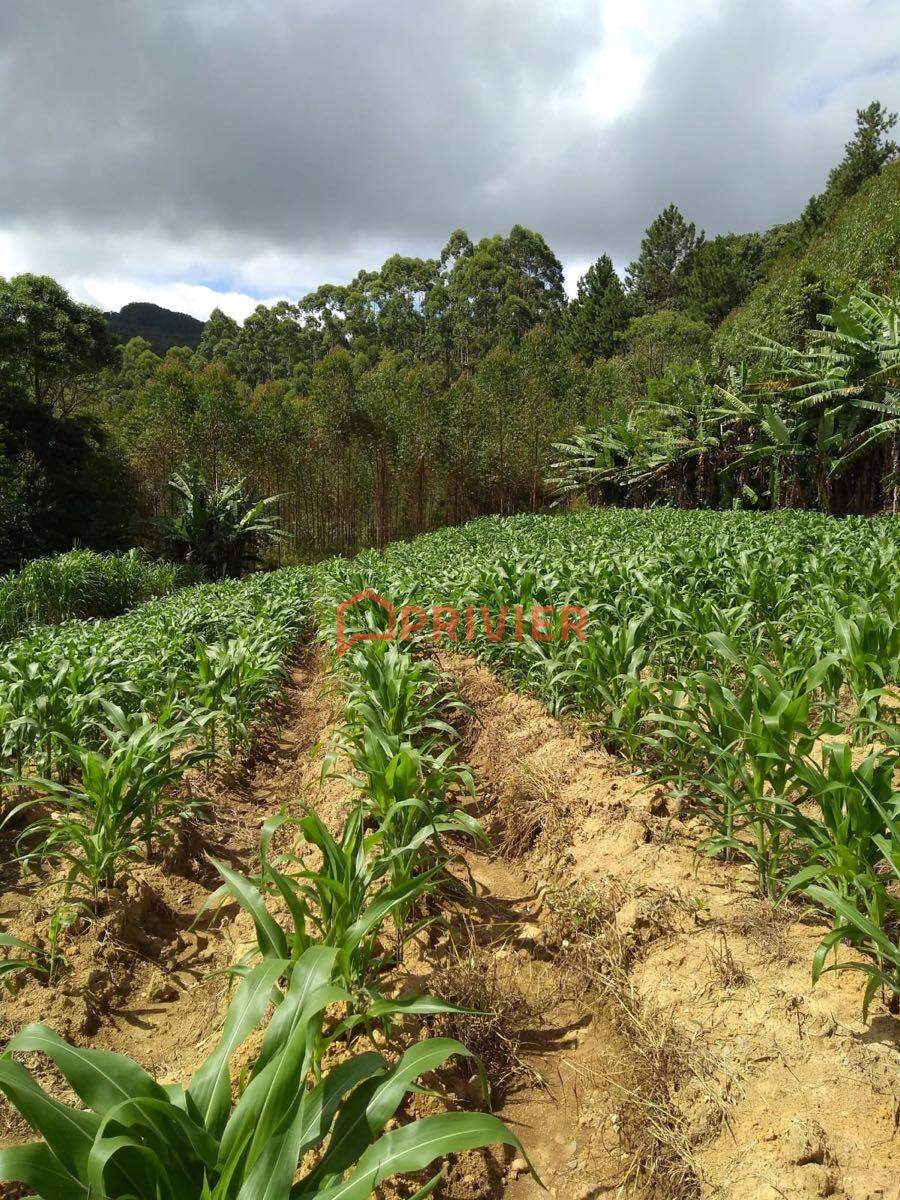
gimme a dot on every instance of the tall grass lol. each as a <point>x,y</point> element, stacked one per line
<point>80,585</point>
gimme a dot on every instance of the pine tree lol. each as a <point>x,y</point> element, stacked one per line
<point>598,312</point>
<point>865,154</point>
<point>656,277</point>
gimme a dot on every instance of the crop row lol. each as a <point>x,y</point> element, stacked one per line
<point>749,660</point>
<point>311,1101</point>
<point>100,720</point>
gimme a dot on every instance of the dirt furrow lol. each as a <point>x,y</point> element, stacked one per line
<point>142,979</point>
<point>768,1074</point>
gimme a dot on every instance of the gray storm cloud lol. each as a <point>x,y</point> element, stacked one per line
<point>203,137</point>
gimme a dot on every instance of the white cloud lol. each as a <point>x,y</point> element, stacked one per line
<point>111,294</point>
<point>634,33</point>
<point>208,152</point>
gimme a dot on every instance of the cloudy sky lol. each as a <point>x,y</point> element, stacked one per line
<point>204,152</point>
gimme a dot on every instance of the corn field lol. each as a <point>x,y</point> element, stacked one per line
<point>100,723</point>
<point>750,661</point>
<point>747,662</point>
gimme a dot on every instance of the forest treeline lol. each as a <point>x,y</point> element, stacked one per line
<point>751,369</point>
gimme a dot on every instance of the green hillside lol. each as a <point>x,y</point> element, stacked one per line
<point>860,246</point>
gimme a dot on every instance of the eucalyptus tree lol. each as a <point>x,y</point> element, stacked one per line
<point>48,341</point>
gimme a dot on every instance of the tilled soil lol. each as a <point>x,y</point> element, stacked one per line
<point>657,1035</point>
<point>786,1092</point>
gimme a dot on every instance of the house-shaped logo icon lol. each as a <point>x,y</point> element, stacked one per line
<point>345,641</point>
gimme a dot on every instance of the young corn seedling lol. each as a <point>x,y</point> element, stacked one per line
<point>744,746</point>
<point>120,803</point>
<point>50,712</point>
<point>232,681</point>
<point>858,807</point>
<point>301,1128</point>
<point>878,942</point>
<point>602,678</point>
<point>395,741</point>
<point>23,957</point>
<point>868,649</point>
<point>347,903</point>
<point>398,698</point>
<point>851,862</point>
<point>53,682</point>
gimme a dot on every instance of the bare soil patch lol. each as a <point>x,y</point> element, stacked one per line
<point>788,1092</point>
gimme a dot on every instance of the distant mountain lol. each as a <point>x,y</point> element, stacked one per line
<point>162,328</point>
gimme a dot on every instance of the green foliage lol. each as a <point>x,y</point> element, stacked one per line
<point>865,154</point>
<point>400,747</point>
<point>22,957</point>
<point>138,1140</point>
<point>220,528</point>
<point>821,427</point>
<point>346,903</point>
<point>94,717</point>
<point>81,584</point>
<point>722,273</point>
<point>857,248</point>
<point>433,390</point>
<point>391,852</point>
<point>496,290</point>
<point>838,401</point>
<point>720,650</point>
<point>658,340</point>
<point>47,339</point>
<point>598,313</point>
<point>656,277</point>
<point>118,807</point>
<point>63,481</point>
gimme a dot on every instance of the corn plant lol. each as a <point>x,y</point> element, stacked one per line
<point>858,807</point>
<point>396,697</point>
<point>53,682</point>
<point>721,648</point>
<point>23,957</point>
<point>603,678</point>
<point>877,941</point>
<point>745,744</point>
<point>299,1112</point>
<point>232,681</point>
<point>868,647</point>
<point>400,748</point>
<point>850,860</point>
<point>346,903</point>
<point>120,803</point>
